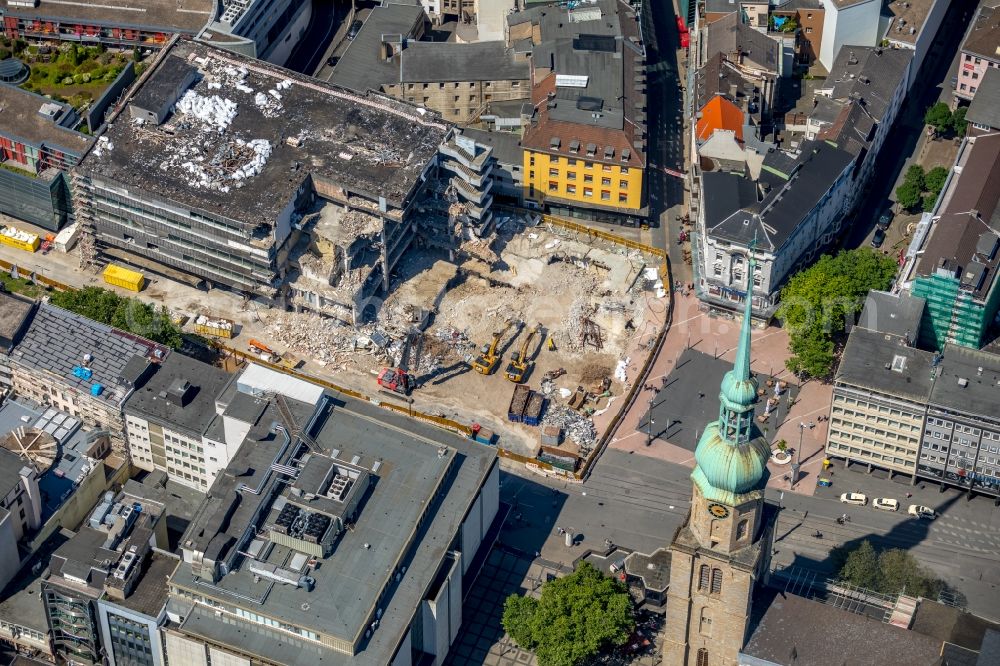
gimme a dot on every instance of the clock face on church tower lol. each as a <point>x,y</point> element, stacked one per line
<point>718,510</point>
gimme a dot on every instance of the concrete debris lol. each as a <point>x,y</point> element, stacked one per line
<point>217,112</point>
<point>621,368</point>
<point>102,146</point>
<point>578,428</point>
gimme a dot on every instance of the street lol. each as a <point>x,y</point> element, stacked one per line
<point>906,136</point>
<point>665,130</point>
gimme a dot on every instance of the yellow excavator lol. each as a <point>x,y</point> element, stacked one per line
<point>487,360</point>
<point>519,362</point>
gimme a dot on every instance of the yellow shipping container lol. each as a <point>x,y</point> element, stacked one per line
<point>22,240</point>
<point>124,278</point>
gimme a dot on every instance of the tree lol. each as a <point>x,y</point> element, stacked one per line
<point>862,567</point>
<point>575,618</point>
<point>892,571</point>
<point>900,572</point>
<point>908,195</point>
<point>935,179</point>
<point>958,121</point>
<point>915,174</point>
<point>938,116</point>
<point>817,303</point>
<point>927,202</point>
<point>127,314</point>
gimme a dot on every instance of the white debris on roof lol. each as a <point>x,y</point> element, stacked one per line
<point>269,106</point>
<point>103,145</point>
<point>216,111</point>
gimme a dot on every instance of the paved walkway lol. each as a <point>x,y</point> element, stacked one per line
<point>717,335</point>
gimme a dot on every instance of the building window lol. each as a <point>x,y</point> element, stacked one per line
<point>623,184</point>
<point>588,191</point>
<point>587,178</point>
<point>571,175</point>
<point>702,657</point>
<point>571,189</point>
<point>624,171</point>
<point>741,529</point>
<point>553,173</point>
<point>703,577</point>
<point>605,195</point>
<point>570,161</point>
<point>705,624</point>
<point>606,182</point>
<point>531,160</point>
<point>623,197</point>
<point>716,581</point>
<point>553,186</point>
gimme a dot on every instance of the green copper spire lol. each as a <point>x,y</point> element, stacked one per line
<point>731,455</point>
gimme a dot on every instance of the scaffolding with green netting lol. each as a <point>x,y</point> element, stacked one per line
<point>951,314</point>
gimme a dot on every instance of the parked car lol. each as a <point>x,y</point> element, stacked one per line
<point>922,511</point>
<point>355,28</point>
<point>854,498</point>
<point>333,60</point>
<point>886,504</point>
<point>878,239</point>
<point>885,219</point>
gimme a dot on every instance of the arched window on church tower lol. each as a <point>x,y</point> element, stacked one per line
<point>703,578</point>
<point>705,623</point>
<point>702,657</point>
<point>716,581</point>
<point>741,529</point>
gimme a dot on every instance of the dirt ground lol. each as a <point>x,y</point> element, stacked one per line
<point>545,277</point>
<point>554,285</point>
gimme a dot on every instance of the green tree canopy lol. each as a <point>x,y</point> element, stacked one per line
<point>892,571</point>
<point>127,314</point>
<point>915,174</point>
<point>908,195</point>
<point>935,179</point>
<point>817,303</point>
<point>958,121</point>
<point>575,617</point>
<point>938,116</point>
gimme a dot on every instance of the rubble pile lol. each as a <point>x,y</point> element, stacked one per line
<point>355,223</point>
<point>578,428</point>
<point>571,337</point>
<point>319,339</point>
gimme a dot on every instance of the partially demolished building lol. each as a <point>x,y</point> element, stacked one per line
<point>250,177</point>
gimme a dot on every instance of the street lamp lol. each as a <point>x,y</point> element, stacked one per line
<point>650,422</point>
<point>798,452</point>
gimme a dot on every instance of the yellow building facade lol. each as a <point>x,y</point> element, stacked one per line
<point>585,181</point>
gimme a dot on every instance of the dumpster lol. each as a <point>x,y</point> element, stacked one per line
<point>124,278</point>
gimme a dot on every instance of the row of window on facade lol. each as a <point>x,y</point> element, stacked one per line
<point>572,162</point>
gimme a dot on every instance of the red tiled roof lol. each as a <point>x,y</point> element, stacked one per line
<point>720,113</point>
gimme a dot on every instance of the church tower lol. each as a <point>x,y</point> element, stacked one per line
<point>717,555</point>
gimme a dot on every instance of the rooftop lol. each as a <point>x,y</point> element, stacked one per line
<point>985,107</point>
<point>62,461</point>
<point>773,220</point>
<point>150,594</point>
<point>423,62</point>
<point>796,630</point>
<point>896,314</point>
<point>869,73</point>
<point>38,121</point>
<point>964,241</point>
<point>737,41</point>
<point>952,625</point>
<point>883,363</point>
<point>907,19</point>
<point>247,135</point>
<point>14,313</point>
<point>590,100</point>
<point>719,77</point>
<point>361,67</point>
<point>180,394</point>
<point>419,474</point>
<point>168,15</point>
<point>506,145</point>
<point>719,114</point>
<point>83,353</point>
<point>983,37</point>
<point>967,380</point>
